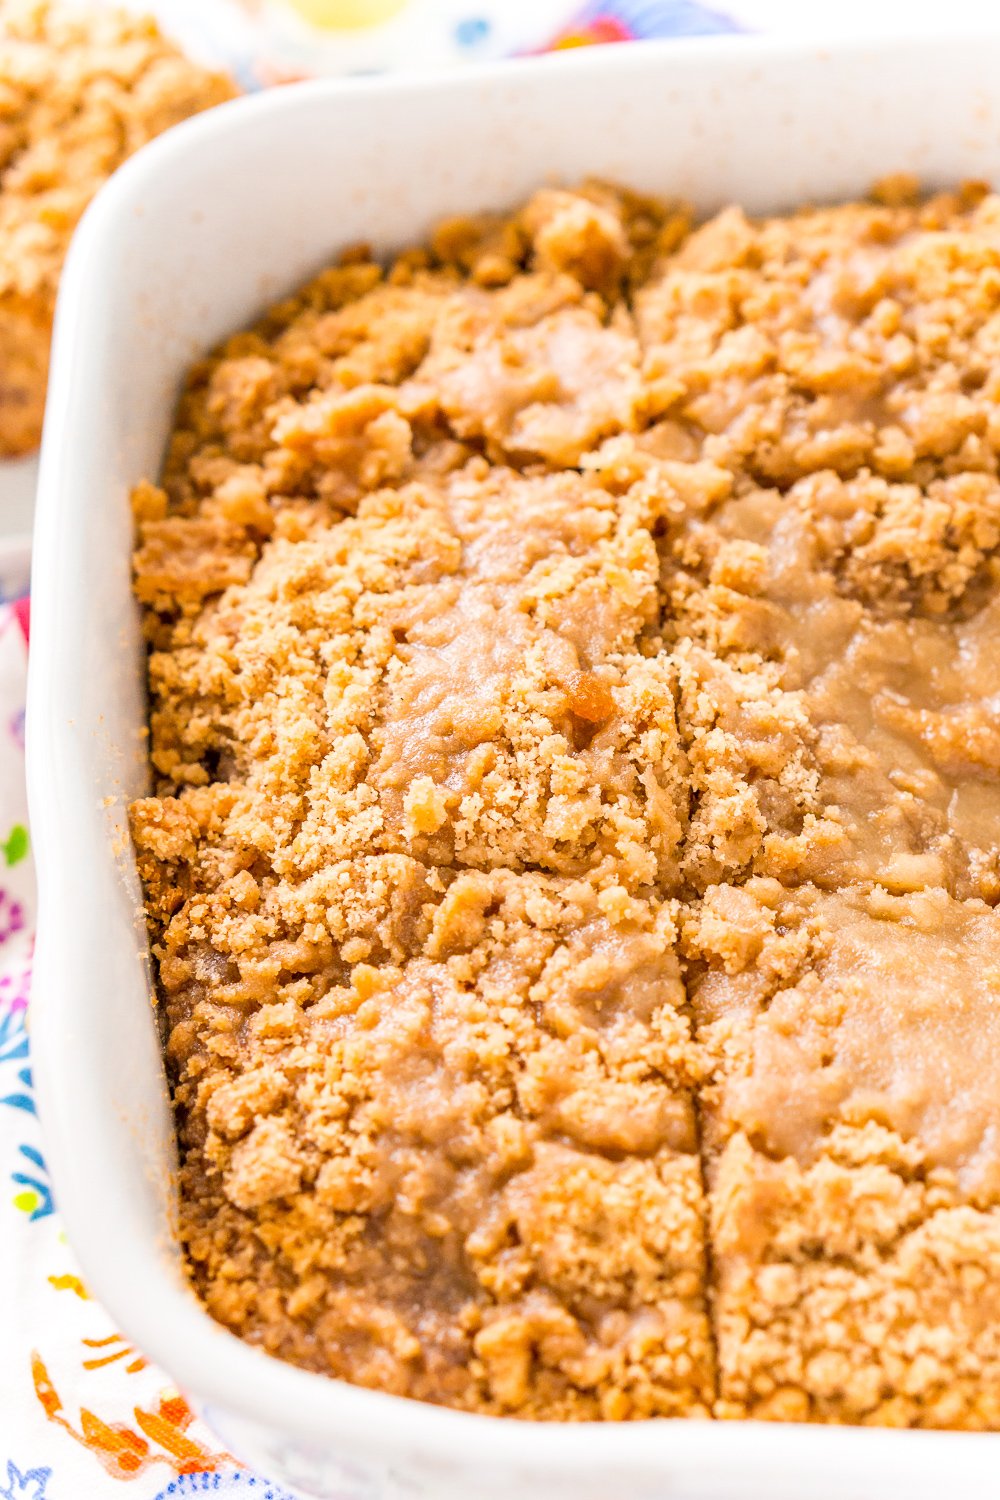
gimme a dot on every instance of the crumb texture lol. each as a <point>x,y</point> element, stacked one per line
<point>574,843</point>
<point>80,90</point>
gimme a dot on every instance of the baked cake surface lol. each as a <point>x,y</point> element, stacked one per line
<point>575,839</point>
<point>80,90</point>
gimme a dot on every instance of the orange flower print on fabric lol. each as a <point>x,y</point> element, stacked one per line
<point>70,1283</point>
<point>124,1451</point>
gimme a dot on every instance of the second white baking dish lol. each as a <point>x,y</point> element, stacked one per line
<point>189,241</point>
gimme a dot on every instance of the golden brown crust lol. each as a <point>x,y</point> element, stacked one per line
<point>573,718</point>
<point>849,1125</point>
<point>79,92</point>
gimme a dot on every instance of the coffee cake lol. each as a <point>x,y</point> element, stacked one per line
<point>573,856</point>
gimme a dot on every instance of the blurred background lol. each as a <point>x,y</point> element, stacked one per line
<point>264,41</point>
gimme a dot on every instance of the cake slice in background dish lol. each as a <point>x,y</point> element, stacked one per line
<point>79,92</point>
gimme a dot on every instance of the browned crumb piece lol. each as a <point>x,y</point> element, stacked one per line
<point>457,673</point>
<point>862,733</point>
<point>79,92</point>
<point>573,714</point>
<point>835,366</point>
<point>468,1173</point>
<point>851,1128</point>
<point>853,338</point>
<point>466,1150</point>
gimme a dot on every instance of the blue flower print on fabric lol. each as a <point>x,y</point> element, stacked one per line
<point>27,1486</point>
<point>245,1486</point>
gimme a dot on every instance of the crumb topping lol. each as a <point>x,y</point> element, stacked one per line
<point>79,92</point>
<point>575,833</point>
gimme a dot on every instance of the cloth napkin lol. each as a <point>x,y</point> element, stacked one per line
<point>83,1416</point>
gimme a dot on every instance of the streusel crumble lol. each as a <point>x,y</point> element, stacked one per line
<point>80,90</point>
<point>576,836</point>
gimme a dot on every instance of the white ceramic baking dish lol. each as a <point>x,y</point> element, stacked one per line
<point>187,243</point>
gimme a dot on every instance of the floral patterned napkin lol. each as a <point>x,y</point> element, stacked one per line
<point>267,41</point>
<point>80,1410</point>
